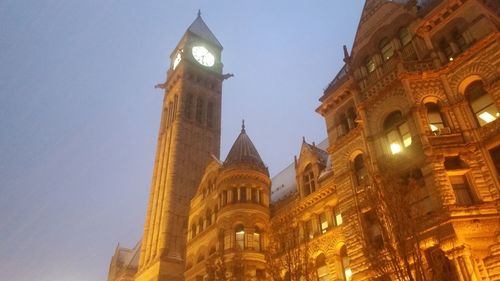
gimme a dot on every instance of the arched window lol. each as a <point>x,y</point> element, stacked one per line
<point>199,110</point>
<point>240,236</point>
<point>321,268</point>
<point>309,181</point>
<point>345,263</point>
<point>481,103</point>
<point>360,170</point>
<point>257,239</point>
<point>370,64</point>
<point>397,132</point>
<point>188,106</point>
<point>404,36</point>
<point>386,49</point>
<point>434,116</point>
<point>210,115</point>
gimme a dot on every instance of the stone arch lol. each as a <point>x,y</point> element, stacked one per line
<point>462,86</point>
<point>396,101</point>
<point>484,70</point>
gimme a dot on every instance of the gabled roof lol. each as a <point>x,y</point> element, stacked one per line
<point>244,152</point>
<point>200,29</point>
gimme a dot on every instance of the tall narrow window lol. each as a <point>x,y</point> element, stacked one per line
<point>386,49</point>
<point>397,132</point>
<point>255,195</point>
<point>243,194</point>
<point>445,47</point>
<point>404,36</point>
<point>240,236</point>
<point>308,230</point>
<point>199,110</point>
<point>360,170</point>
<point>459,39</point>
<point>434,116</point>
<point>210,115</point>
<point>256,239</point>
<point>188,105</point>
<point>351,118</point>
<point>461,189</point>
<point>224,198</point>
<point>370,64</point>
<point>323,223</point>
<point>346,264</point>
<point>309,181</point>
<point>481,103</point>
<point>338,216</point>
<point>456,170</point>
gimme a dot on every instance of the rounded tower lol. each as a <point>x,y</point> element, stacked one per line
<point>243,219</point>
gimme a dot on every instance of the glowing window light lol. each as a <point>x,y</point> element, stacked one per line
<point>395,148</point>
<point>348,274</point>
<point>487,117</point>
<point>434,128</point>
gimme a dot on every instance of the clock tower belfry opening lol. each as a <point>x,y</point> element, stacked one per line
<point>189,136</point>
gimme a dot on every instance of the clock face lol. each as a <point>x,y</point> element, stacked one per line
<point>203,56</point>
<point>177,60</point>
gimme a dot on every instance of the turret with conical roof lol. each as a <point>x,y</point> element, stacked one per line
<point>243,152</point>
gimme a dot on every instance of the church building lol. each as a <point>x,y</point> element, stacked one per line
<point>405,187</point>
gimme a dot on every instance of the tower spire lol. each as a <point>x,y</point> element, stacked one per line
<point>242,126</point>
<point>199,12</point>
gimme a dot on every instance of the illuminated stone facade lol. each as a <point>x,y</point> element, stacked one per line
<point>419,94</point>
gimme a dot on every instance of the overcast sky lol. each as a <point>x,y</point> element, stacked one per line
<point>79,115</point>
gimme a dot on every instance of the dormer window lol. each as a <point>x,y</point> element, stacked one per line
<point>386,49</point>
<point>397,132</point>
<point>481,103</point>
<point>309,181</point>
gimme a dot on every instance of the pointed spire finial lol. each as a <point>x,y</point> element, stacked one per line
<point>199,12</point>
<point>243,125</point>
<point>303,139</point>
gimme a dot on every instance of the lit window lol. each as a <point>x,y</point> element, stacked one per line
<point>386,49</point>
<point>345,262</point>
<point>240,237</point>
<point>397,132</point>
<point>256,239</point>
<point>481,103</point>
<point>434,116</point>
<point>338,216</point>
<point>323,223</point>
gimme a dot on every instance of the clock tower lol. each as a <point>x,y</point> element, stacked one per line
<point>188,137</point>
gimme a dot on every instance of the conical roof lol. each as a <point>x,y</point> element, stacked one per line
<point>244,152</point>
<point>200,29</point>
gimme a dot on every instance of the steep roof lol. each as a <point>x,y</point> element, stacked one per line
<point>200,29</point>
<point>244,152</point>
